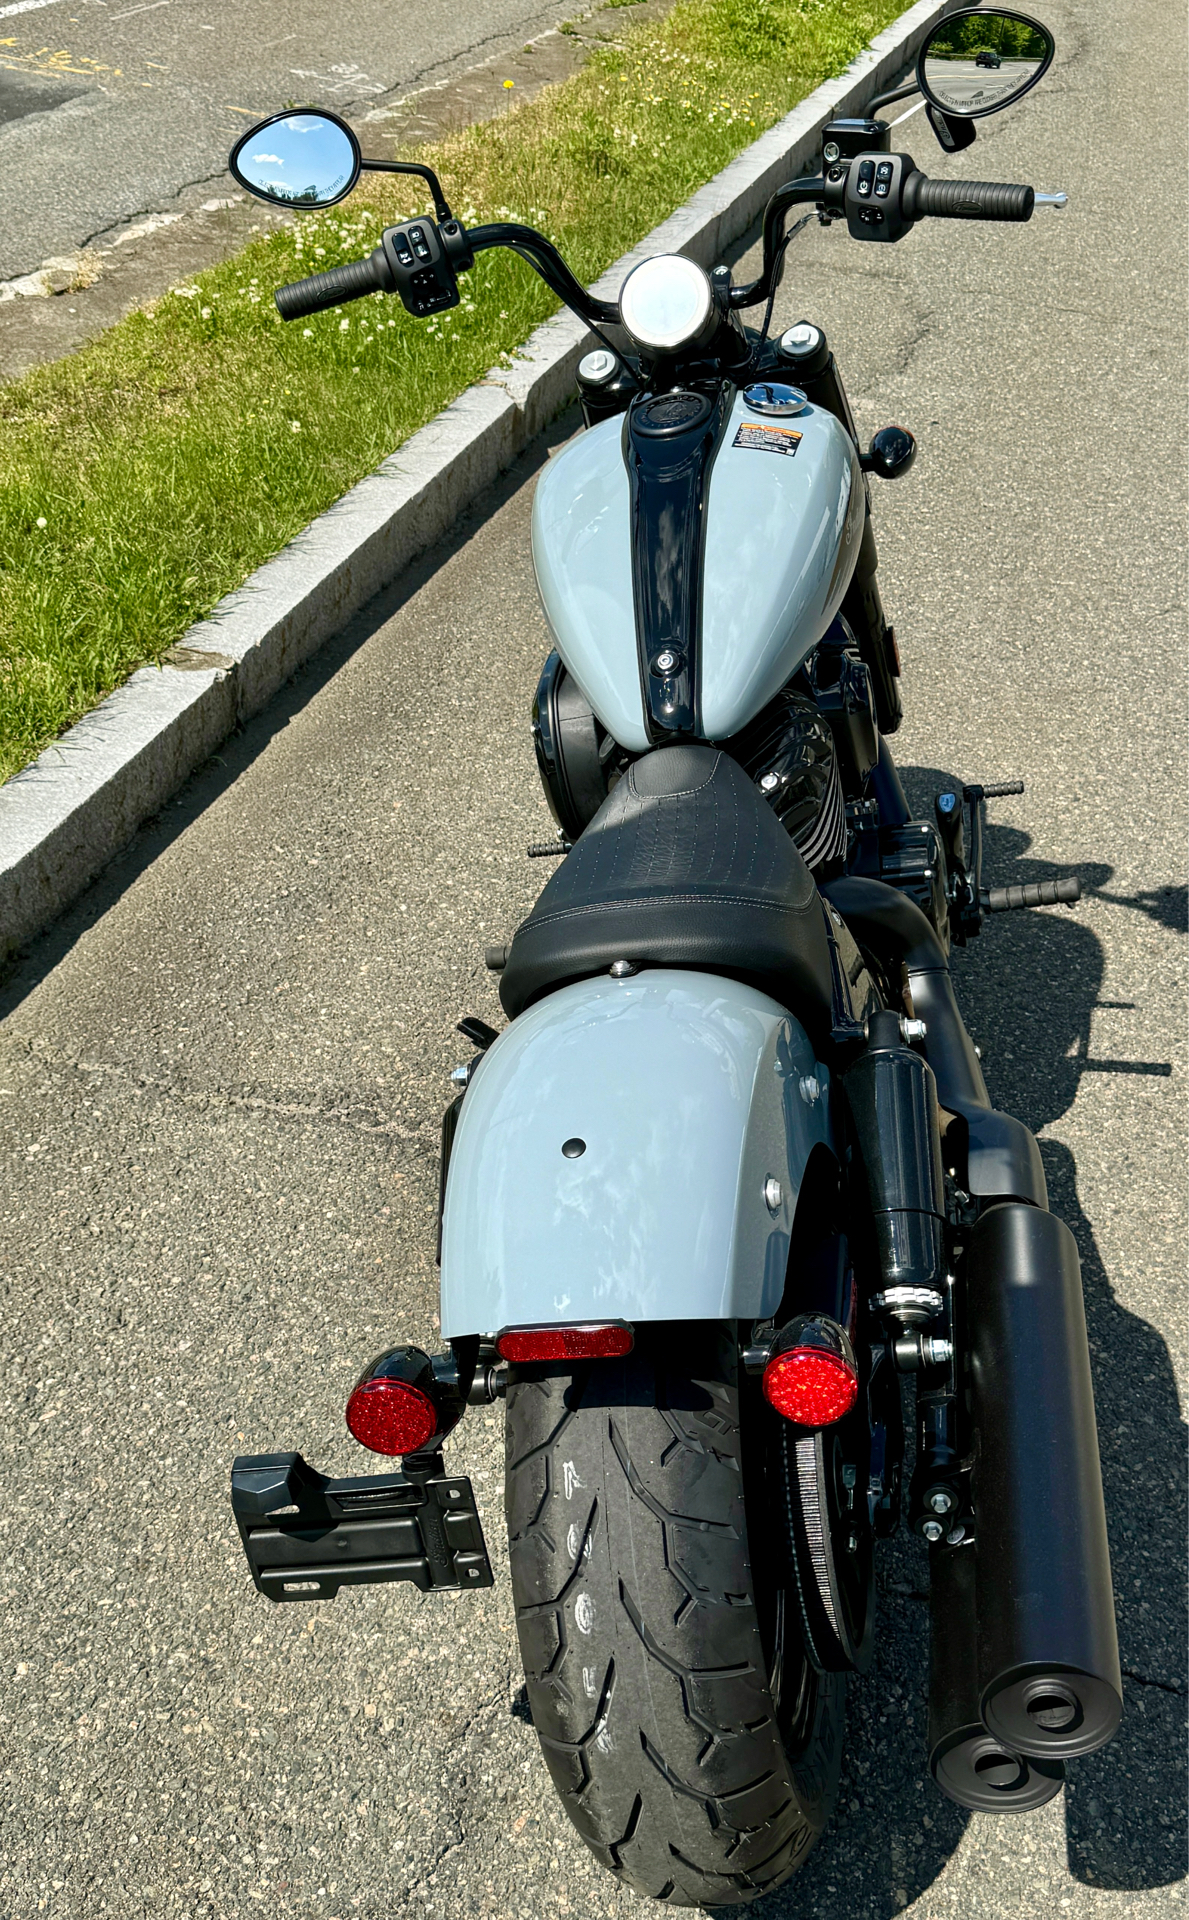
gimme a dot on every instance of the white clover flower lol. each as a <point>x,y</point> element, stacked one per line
<point>42,521</point>
<point>206,313</point>
<point>295,426</point>
<point>307,333</point>
<point>344,326</point>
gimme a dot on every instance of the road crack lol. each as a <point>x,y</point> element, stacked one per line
<point>1162,1686</point>
<point>353,1116</point>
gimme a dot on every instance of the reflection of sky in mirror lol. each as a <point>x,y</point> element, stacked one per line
<point>304,159</point>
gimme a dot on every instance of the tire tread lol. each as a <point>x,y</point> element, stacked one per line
<point>642,1651</point>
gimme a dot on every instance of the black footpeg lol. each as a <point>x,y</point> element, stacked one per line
<point>306,1536</point>
<point>1034,893</point>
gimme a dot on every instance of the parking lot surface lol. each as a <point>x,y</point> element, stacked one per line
<point>221,1080</point>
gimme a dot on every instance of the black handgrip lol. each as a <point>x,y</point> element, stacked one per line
<point>1035,893</point>
<point>335,286</point>
<point>965,199</point>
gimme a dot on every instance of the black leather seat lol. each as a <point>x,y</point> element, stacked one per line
<point>684,865</point>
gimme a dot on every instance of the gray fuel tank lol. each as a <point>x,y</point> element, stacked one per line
<point>782,537</point>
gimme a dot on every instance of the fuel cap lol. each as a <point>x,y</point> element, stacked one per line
<point>768,396</point>
<point>805,346</point>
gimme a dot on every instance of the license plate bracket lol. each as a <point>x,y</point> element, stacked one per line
<point>306,1535</point>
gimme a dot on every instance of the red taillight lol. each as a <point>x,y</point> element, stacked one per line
<point>390,1416</point>
<point>519,1344</point>
<point>811,1386</point>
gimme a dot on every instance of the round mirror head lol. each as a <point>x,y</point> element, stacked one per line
<point>980,60</point>
<point>298,160</point>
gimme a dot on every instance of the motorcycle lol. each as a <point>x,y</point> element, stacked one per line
<point>729,1182</point>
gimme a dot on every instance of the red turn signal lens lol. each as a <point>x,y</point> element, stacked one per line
<point>810,1386</point>
<point>389,1416</point>
<point>565,1343</point>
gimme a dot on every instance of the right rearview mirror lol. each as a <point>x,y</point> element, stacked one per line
<point>981,60</point>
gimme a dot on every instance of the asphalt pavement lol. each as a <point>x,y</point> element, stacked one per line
<point>221,1079</point>
<point>109,111</point>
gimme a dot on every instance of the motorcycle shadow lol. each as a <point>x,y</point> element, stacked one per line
<point>1029,990</point>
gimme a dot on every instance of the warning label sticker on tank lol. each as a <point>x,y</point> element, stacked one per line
<point>767,437</point>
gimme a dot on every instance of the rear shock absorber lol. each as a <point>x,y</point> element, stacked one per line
<point>893,1102</point>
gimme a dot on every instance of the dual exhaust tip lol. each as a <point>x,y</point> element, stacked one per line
<point>1025,1659</point>
<point>970,1763</point>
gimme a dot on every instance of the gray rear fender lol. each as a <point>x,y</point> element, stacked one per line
<point>690,1096</point>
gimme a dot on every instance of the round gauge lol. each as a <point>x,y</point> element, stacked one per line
<point>666,303</point>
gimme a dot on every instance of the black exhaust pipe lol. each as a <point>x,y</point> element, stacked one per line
<point>1048,1651</point>
<point>969,1764</point>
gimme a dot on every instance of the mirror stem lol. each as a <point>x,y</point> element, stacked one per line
<point>888,99</point>
<point>441,209</point>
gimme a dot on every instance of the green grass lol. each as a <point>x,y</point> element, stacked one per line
<point>146,476</point>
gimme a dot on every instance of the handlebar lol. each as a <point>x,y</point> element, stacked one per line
<point>965,199</point>
<point>336,285</point>
<point>809,191</point>
<point>544,256</point>
<point>909,196</point>
<point>374,275</point>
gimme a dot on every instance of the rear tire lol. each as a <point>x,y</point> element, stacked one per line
<point>693,1745</point>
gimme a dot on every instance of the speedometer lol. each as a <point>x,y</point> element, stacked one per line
<point>667,303</point>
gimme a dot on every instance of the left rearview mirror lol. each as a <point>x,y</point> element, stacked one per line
<point>981,60</point>
<point>298,160</point>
